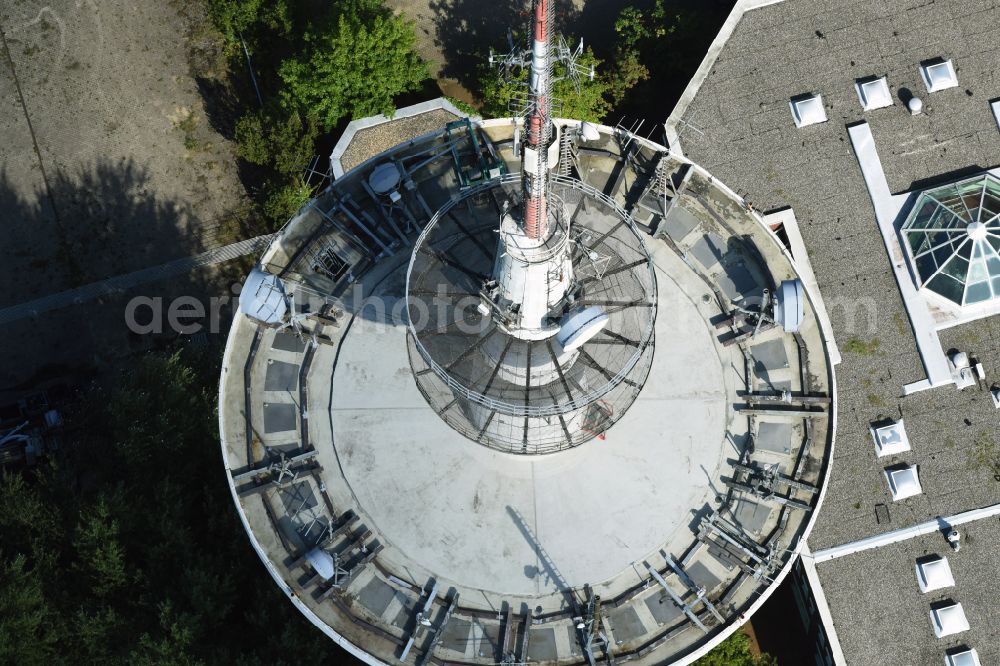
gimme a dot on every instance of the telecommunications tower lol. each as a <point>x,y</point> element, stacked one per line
<point>557,347</point>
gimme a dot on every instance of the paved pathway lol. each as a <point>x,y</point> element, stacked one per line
<point>122,282</point>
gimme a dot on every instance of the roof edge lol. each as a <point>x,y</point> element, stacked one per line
<point>694,85</point>
<point>355,126</point>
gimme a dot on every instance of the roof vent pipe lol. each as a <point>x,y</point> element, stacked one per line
<point>915,105</point>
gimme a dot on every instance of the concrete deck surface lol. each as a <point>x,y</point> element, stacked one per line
<point>595,509</point>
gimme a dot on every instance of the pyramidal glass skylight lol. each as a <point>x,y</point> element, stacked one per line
<point>953,239</point>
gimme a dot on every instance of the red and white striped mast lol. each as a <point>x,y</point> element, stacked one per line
<point>534,269</point>
<point>539,121</point>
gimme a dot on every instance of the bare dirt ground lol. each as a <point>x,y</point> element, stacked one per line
<point>455,35</point>
<point>109,165</point>
<point>106,144</point>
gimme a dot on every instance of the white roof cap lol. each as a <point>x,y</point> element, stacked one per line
<point>903,482</point>
<point>874,93</point>
<point>808,110</point>
<point>890,439</point>
<point>938,75</point>
<point>966,657</point>
<point>948,620</point>
<point>934,574</point>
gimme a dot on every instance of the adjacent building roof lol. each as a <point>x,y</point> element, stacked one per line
<point>734,119</point>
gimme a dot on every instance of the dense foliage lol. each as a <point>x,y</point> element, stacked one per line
<point>735,651</point>
<point>125,547</point>
<point>658,50</point>
<point>353,65</point>
<point>283,144</point>
<point>347,59</point>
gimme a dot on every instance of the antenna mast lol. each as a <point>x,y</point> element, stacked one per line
<point>539,125</point>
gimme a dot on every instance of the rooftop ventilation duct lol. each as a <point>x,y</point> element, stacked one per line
<point>934,574</point>
<point>962,657</point>
<point>938,75</point>
<point>948,620</point>
<point>874,93</point>
<point>903,482</point>
<point>807,110</point>
<point>890,439</point>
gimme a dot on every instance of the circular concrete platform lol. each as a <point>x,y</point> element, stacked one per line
<point>530,526</point>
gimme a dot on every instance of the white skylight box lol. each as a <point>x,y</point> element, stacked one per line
<point>964,657</point>
<point>807,110</point>
<point>948,620</point>
<point>890,439</point>
<point>934,574</point>
<point>938,75</point>
<point>903,482</point>
<point>874,93</point>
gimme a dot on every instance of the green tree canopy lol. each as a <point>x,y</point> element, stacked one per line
<point>735,651</point>
<point>234,18</point>
<point>353,64</point>
<point>124,548</point>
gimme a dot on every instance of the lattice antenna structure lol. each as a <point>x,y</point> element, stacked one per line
<point>535,107</point>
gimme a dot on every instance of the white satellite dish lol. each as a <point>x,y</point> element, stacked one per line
<point>384,178</point>
<point>263,297</point>
<point>321,562</point>
<point>789,306</point>
<point>581,326</point>
<point>589,131</point>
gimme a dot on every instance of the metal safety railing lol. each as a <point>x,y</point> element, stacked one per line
<point>580,401</point>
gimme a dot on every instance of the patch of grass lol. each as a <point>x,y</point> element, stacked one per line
<point>861,347</point>
<point>984,455</point>
<point>189,126</point>
<point>900,321</point>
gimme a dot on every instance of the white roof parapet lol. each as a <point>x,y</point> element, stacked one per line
<point>962,657</point>
<point>948,620</point>
<point>890,439</point>
<point>904,533</point>
<point>938,75</point>
<point>887,209</point>
<point>903,482</point>
<point>873,93</point>
<point>808,109</point>
<point>934,574</point>
<point>337,168</point>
